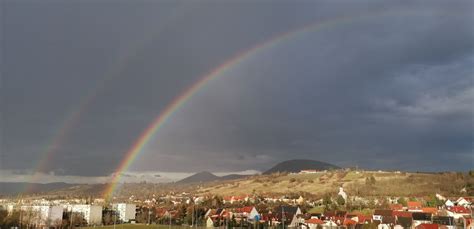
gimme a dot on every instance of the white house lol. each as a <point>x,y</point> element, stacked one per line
<point>449,203</point>
<point>329,224</point>
<point>209,222</point>
<point>126,212</point>
<point>342,193</point>
<point>248,213</point>
<point>91,213</point>
<point>463,202</point>
<point>292,213</point>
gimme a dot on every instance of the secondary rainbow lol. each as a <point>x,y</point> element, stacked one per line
<point>184,97</point>
<point>74,116</point>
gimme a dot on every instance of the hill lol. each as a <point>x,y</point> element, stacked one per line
<point>13,188</point>
<point>294,166</point>
<point>233,177</point>
<point>205,176</point>
<point>199,178</point>
<point>318,184</point>
<point>354,183</point>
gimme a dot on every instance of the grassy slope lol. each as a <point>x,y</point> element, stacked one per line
<point>354,183</point>
<point>387,184</point>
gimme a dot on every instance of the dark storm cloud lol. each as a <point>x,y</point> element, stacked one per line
<point>393,91</point>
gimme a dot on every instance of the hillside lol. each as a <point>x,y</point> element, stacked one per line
<point>318,184</point>
<point>354,183</point>
<point>294,166</point>
<point>199,178</point>
<point>14,188</point>
<point>203,177</point>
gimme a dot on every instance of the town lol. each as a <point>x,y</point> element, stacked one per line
<point>337,208</point>
<point>174,114</point>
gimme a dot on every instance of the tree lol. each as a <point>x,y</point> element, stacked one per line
<point>402,201</point>
<point>340,200</point>
<point>327,202</point>
<point>434,202</point>
<point>10,220</point>
<point>370,180</point>
<point>108,216</point>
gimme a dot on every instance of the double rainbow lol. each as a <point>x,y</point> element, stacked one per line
<point>183,98</point>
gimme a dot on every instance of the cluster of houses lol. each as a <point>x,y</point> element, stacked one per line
<point>398,217</point>
<point>455,213</point>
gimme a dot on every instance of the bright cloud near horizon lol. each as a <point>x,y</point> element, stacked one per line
<point>389,86</point>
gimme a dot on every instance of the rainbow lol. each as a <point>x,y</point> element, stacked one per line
<point>188,93</point>
<point>235,60</point>
<point>75,114</point>
<point>67,125</point>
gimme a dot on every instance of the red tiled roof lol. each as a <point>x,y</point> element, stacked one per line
<point>430,210</point>
<point>396,207</point>
<point>247,209</point>
<point>414,205</point>
<point>402,214</point>
<point>459,209</point>
<point>314,221</point>
<point>349,222</point>
<point>470,199</point>
<point>364,218</point>
<point>427,226</point>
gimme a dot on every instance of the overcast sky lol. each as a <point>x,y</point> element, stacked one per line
<point>390,88</point>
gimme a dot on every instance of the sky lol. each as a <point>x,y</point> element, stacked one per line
<point>389,86</point>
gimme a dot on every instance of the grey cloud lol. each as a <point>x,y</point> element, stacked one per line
<point>392,91</point>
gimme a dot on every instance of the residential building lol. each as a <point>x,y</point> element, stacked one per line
<point>42,216</point>
<point>126,212</point>
<point>91,213</point>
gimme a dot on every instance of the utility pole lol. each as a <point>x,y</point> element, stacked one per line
<point>169,215</point>
<point>192,218</point>
<point>196,216</point>
<point>71,219</point>
<point>114,212</point>
<point>282,218</point>
<point>149,216</point>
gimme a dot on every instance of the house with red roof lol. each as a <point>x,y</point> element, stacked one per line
<point>427,226</point>
<point>464,201</point>
<point>402,214</point>
<point>349,223</point>
<point>396,207</point>
<point>414,206</point>
<point>459,209</point>
<point>359,218</point>
<point>248,213</point>
<point>162,213</point>
<point>235,199</point>
<point>433,211</point>
<point>313,223</point>
<point>421,218</point>
<point>458,212</point>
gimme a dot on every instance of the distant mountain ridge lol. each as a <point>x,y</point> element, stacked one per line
<point>206,176</point>
<point>294,166</point>
<point>11,188</point>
